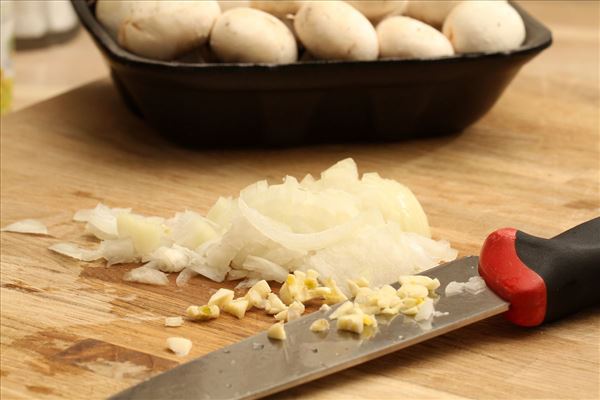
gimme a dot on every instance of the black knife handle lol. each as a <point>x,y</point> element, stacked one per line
<point>543,279</point>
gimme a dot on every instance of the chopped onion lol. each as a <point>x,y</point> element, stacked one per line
<point>184,276</point>
<point>146,275</point>
<point>76,252</point>
<point>474,285</point>
<point>27,226</point>
<point>118,251</point>
<point>266,269</point>
<point>343,225</point>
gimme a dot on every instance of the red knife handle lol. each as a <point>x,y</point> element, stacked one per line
<point>543,279</point>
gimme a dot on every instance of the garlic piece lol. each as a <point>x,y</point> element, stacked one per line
<point>173,322</point>
<point>429,283</point>
<point>295,310</point>
<point>351,322</point>
<point>258,293</point>
<point>412,290</point>
<point>277,331</point>
<point>180,346</point>
<point>344,309</point>
<point>320,325</point>
<point>236,307</point>
<point>203,313</point>
<point>221,297</point>
<point>324,308</point>
<point>336,295</point>
<point>274,304</point>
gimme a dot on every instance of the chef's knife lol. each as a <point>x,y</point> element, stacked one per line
<point>531,280</point>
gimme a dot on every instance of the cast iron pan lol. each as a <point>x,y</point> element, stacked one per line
<point>216,104</point>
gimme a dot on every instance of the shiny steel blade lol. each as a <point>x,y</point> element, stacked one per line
<point>258,366</point>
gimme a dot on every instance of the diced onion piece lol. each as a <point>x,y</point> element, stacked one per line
<point>190,229</point>
<point>76,252</point>
<point>236,307</point>
<point>144,232</point>
<point>118,251</point>
<point>203,313</point>
<point>184,276</point>
<point>173,322</point>
<point>31,226</point>
<point>146,275</point>
<point>292,240</point>
<point>236,274</point>
<point>180,346</point>
<point>265,268</point>
<point>425,310</point>
<point>221,297</point>
<point>277,331</point>
<point>320,325</point>
<point>475,285</point>
<point>172,259</point>
<point>223,212</point>
<point>453,288</point>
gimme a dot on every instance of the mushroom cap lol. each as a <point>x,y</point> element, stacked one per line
<point>112,14</point>
<point>334,30</point>
<point>279,8</point>
<point>431,12</point>
<point>253,36</point>
<point>405,37</point>
<point>377,9</point>
<point>476,26</point>
<point>163,30</point>
<point>229,4</point>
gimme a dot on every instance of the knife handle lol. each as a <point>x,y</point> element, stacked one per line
<point>543,279</point>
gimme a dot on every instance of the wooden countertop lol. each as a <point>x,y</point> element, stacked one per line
<point>75,330</point>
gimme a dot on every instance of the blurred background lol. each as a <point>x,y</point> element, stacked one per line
<point>45,52</point>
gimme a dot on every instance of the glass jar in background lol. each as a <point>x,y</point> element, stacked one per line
<point>7,25</point>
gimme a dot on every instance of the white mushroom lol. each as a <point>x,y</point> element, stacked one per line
<point>159,30</point>
<point>279,8</point>
<point>252,36</point>
<point>484,26</point>
<point>404,37</point>
<point>334,30</point>
<point>112,14</point>
<point>377,9</point>
<point>229,4</point>
<point>431,12</point>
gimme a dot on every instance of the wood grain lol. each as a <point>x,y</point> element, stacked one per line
<point>75,330</point>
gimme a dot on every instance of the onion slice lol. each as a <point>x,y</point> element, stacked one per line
<point>31,226</point>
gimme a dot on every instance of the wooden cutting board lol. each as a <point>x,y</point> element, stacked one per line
<point>76,330</point>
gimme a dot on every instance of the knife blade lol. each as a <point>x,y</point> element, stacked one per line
<point>259,366</point>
